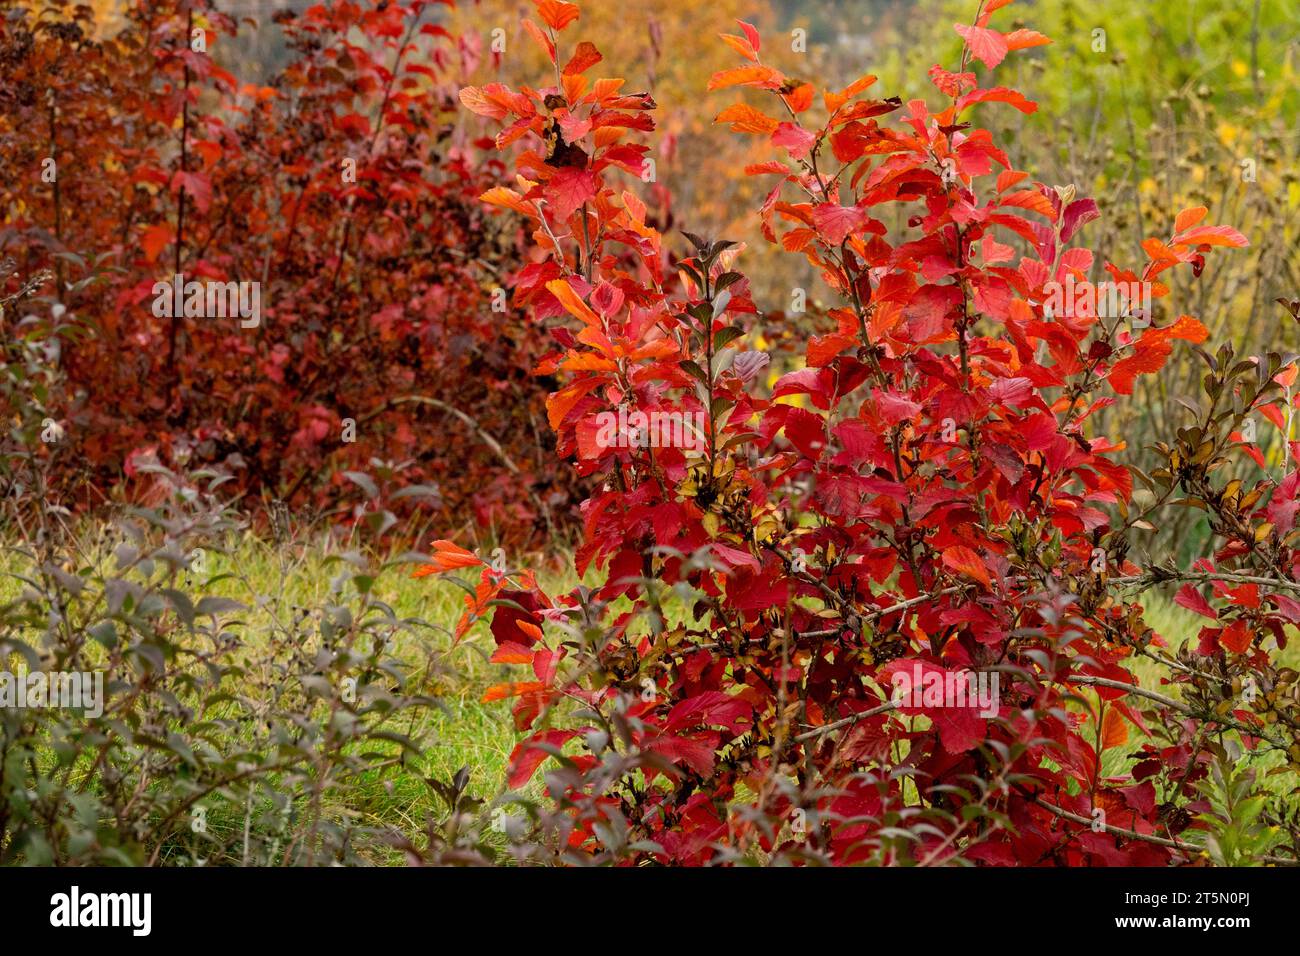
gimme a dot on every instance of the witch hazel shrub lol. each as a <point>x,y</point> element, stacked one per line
<point>881,611</point>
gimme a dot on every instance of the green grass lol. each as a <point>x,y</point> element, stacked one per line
<point>461,731</point>
<point>465,732</point>
<point>1177,626</point>
<point>275,582</point>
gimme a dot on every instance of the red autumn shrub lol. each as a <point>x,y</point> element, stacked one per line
<point>345,189</point>
<point>882,611</point>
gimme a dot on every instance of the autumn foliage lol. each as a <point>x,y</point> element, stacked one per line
<point>924,495</point>
<point>347,186</point>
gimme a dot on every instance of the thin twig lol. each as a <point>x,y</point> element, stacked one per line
<point>1143,837</point>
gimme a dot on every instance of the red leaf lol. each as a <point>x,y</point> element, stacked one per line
<point>796,140</point>
<point>529,754</point>
<point>1193,600</point>
<point>568,189</point>
<point>1236,637</point>
<point>1211,236</point>
<point>517,625</point>
<point>584,58</point>
<point>895,408</point>
<point>1288,606</point>
<point>988,46</point>
<point>751,33</point>
<point>353,124</point>
<point>960,728</point>
<point>696,752</point>
<point>1076,214</point>
<point>197,187</point>
<point>835,223</point>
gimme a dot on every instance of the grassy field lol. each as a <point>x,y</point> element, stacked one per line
<point>460,732</point>
<point>282,588</point>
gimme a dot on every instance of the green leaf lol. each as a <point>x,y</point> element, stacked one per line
<point>725,337</point>
<point>725,280</point>
<point>181,603</point>
<point>218,605</point>
<point>694,370</point>
<point>364,482</point>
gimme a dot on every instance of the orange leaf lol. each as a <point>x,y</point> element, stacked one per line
<point>512,652</point>
<point>155,238</point>
<point>1150,358</point>
<point>835,100</point>
<point>588,362</point>
<point>746,76</point>
<point>1159,251</point>
<point>823,348</point>
<point>559,404</point>
<point>740,45</point>
<point>746,119</point>
<point>1022,39</point>
<point>493,101</point>
<point>1189,217</point>
<point>797,240</point>
<point>541,38</point>
<point>510,689</point>
<point>1030,199</point>
<point>448,557</point>
<point>508,198</point>
<point>574,305</point>
<point>1186,328</point>
<point>1008,178</point>
<point>1152,350</point>
<point>557,13</point>
<point>1114,730</point>
<point>210,151</point>
<point>476,606</point>
<point>800,99</point>
<point>958,557</point>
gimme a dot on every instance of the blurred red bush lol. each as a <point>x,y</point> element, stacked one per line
<point>345,188</point>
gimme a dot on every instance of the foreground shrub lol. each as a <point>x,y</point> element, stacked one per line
<point>792,592</point>
<point>197,739</point>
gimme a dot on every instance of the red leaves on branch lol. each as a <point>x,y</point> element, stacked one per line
<point>924,495</point>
